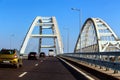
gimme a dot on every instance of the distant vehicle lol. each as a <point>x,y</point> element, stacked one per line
<point>32,56</point>
<point>42,54</point>
<point>51,53</point>
<point>11,56</point>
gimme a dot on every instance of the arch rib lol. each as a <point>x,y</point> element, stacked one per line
<point>44,23</point>
<point>96,36</point>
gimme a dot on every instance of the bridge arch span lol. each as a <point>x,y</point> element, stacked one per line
<point>97,36</point>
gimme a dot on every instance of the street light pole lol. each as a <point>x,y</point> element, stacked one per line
<point>11,44</point>
<point>68,40</point>
<point>80,23</point>
<point>67,29</point>
<point>80,16</point>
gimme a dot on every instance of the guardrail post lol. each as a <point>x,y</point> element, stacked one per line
<point>101,67</point>
<point>107,69</point>
<point>115,71</point>
<point>108,59</point>
<point>101,59</point>
<point>116,60</point>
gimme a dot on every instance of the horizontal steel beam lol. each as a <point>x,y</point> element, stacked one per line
<point>43,36</point>
<point>44,24</point>
<point>47,46</point>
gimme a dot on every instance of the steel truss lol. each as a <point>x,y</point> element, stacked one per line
<point>44,23</point>
<point>97,36</point>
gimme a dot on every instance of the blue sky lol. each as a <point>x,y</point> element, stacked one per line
<point>16,17</point>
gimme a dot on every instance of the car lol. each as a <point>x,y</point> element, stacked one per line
<point>11,56</point>
<point>32,56</point>
<point>42,54</point>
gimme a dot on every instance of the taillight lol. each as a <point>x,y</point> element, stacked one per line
<point>15,56</point>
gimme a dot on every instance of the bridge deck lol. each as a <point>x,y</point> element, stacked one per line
<point>49,68</point>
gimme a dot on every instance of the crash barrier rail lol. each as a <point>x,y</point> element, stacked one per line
<point>109,60</point>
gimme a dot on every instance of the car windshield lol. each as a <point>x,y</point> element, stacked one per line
<point>7,52</point>
<point>51,50</point>
<point>42,53</point>
<point>33,53</point>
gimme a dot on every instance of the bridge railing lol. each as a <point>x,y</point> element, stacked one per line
<point>103,59</point>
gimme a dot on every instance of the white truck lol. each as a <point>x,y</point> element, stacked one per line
<point>51,53</point>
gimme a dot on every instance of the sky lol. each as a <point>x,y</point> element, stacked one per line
<point>16,17</point>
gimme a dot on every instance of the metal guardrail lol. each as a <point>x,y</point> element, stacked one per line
<point>103,59</point>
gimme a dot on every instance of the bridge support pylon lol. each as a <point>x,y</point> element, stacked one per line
<point>44,24</point>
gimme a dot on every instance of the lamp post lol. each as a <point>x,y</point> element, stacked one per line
<point>67,29</point>
<point>80,23</point>
<point>11,44</point>
<point>80,17</point>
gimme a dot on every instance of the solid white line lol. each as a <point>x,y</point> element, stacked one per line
<point>21,75</point>
<point>90,78</point>
<point>36,64</point>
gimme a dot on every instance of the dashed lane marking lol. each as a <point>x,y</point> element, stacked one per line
<point>36,64</point>
<point>21,75</point>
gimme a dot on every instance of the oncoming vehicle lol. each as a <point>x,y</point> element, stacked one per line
<point>32,56</point>
<point>51,53</point>
<point>11,56</point>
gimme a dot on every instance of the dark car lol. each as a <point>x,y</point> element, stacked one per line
<point>42,54</point>
<point>32,56</point>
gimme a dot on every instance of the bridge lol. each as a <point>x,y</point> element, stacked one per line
<point>96,55</point>
<point>97,36</point>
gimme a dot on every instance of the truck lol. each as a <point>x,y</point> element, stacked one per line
<point>51,53</point>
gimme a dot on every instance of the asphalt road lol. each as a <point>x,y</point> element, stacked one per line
<point>43,69</point>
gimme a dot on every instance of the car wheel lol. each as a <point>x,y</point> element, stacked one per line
<point>17,65</point>
<point>20,65</point>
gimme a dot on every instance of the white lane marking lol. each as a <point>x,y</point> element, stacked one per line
<point>21,75</point>
<point>36,64</point>
<point>90,78</point>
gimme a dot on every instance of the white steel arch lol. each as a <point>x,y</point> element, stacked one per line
<point>44,23</point>
<point>97,36</point>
